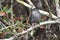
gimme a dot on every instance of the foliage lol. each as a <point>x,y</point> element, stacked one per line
<point>10,24</point>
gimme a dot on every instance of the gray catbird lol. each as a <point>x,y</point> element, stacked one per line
<point>35,19</point>
<point>35,16</point>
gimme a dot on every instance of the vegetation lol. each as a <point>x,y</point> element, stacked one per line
<point>15,19</point>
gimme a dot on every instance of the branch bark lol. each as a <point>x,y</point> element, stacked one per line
<point>57,7</point>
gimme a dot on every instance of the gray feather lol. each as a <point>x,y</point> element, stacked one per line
<point>35,16</point>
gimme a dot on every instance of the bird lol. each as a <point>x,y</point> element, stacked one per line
<point>35,19</point>
<point>35,16</point>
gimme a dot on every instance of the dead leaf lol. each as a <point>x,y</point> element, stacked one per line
<point>2,13</point>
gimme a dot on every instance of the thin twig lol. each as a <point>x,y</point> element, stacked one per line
<point>47,14</point>
<point>48,8</point>
<point>57,7</point>
<point>12,16</point>
<point>58,11</point>
<point>25,4</point>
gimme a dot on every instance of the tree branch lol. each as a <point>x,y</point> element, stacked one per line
<point>57,8</point>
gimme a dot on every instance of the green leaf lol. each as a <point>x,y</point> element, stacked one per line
<point>8,10</point>
<point>5,8</point>
<point>8,35</point>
